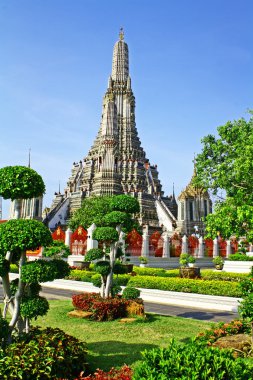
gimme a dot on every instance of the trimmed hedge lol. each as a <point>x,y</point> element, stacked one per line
<point>81,275</point>
<point>157,272</point>
<point>216,288</point>
<point>222,276</point>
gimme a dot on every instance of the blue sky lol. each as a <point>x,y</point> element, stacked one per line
<point>191,64</point>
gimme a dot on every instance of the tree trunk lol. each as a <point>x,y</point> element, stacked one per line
<point>16,319</point>
<point>17,208</point>
<point>113,249</point>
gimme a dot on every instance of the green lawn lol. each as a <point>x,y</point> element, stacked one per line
<point>112,344</point>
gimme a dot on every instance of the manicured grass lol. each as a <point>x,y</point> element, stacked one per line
<point>112,344</point>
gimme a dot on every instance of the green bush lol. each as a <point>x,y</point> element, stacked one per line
<point>191,362</point>
<point>222,276</point>
<point>93,254</point>
<point>131,293</point>
<point>43,355</point>
<point>32,307</point>
<point>217,288</point>
<point>240,257</point>
<point>158,272</point>
<point>102,267</point>
<point>108,234</point>
<point>43,271</point>
<point>119,268</point>
<point>80,275</point>
<point>4,266</point>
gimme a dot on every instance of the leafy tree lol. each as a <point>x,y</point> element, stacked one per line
<point>108,232</point>
<point>21,296</point>
<point>226,165</point>
<point>92,210</point>
<point>246,305</point>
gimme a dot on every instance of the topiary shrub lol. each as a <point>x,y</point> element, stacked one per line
<point>240,257</point>
<point>131,293</point>
<point>32,307</point>
<point>20,182</point>
<point>44,354</point>
<point>102,267</point>
<point>19,235</point>
<point>43,271</point>
<point>107,234</point>
<point>119,268</point>
<point>94,254</point>
<point>192,361</point>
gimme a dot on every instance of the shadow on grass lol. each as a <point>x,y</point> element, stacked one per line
<point>107,354</point>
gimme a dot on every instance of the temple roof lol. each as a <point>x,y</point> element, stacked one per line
<point>120,65</point>
<point>192,191</point>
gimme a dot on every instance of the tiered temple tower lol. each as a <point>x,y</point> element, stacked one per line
<point>116,162</point>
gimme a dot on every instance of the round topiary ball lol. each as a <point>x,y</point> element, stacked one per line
<point>131,293</point>
<point>105,234</point>
<point>20,182</point>
<point>18,235</point>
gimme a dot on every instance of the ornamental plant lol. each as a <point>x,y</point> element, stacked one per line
<point>108,233</point>
<point>246,305</point>
<point>22,300</point>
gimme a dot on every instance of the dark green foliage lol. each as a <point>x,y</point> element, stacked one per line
<point>119,268</point>
<point>20,182</point>
<point>48,354</point>
<point>125,203</point>
<point>4,329</point>
<point>102,267</point>
<point>43,271</point>
<point>93,210</point>
<point>4,265</point>
<point>131,293</point>
<point>218,288</point>
<point>18,235</point>
<point>116,218</point>
<point>94,254</point>
<point>191,362</point>
<point>57,250</point>
<point>105,234</point>
<point>33,307</point>
<point>240,257</point>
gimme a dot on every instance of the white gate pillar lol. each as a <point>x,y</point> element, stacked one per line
<point>215,248</point>
<point>201,247</point>
<point>90,242</point>
<point>68,235</point>
<point>166,245</point>
<point>184,244</point>
<point>145,243</point>
<point>228,248</point>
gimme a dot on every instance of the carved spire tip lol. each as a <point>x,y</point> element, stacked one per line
<point>121,34</point>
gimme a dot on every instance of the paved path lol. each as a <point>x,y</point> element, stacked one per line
<point>151,307</point>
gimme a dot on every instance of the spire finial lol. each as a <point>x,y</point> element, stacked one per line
<point>121,34</point>
<point>29,158</point>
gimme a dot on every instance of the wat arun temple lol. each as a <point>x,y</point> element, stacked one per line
<point>117,164</point>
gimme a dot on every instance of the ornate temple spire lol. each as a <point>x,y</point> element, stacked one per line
<point>120,68</point>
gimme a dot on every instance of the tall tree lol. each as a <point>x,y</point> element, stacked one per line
<point>225,165</point>
<point>21,296</point>
<point>108,233</point>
